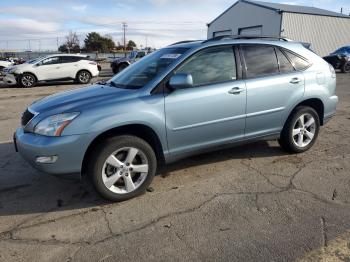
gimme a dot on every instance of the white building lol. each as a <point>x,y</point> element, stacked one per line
<point>325,30</point>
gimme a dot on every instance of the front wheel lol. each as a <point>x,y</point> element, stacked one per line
<point>345,67</point>
<point>27,80</point>
<point>122,167</point>
<point>301,130</point>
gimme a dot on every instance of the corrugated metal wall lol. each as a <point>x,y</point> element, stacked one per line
<point>326,34</point>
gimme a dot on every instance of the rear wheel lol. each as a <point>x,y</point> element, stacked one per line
<point>121,67</point>
<point>122,167</point>
<point>301,130</point>
<point>346,67</point>
<point>27,80</point>
<point>83,77</point>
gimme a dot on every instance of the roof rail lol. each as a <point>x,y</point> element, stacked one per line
<point>232,37</point>
<point>183,42</point>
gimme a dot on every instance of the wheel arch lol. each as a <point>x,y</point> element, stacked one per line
<point>83,69</point>
<point>314,103</point>
<point>31,73</point>
<point>140,130</point>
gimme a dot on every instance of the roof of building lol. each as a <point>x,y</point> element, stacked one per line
<point>288,8</point>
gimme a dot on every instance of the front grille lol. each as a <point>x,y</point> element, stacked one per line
<point>26,117</point>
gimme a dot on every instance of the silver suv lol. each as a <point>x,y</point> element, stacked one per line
<point>182,100</point>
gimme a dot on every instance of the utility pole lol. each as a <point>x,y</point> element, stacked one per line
<point>341,10</point>
<point>125,25</point>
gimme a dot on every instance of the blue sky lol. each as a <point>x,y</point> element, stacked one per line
<point>43,24</point>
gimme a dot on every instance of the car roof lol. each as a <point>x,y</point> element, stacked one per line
<point>72,55</point>
<point>283,42</point>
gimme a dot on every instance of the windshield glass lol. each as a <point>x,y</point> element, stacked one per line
<point>33,61</point>
<point>147,69</point>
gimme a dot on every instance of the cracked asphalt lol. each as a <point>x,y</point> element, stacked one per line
<point>248,203</point>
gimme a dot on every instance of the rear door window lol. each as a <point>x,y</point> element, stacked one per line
<point>260,60</point>
<point>70,59</point>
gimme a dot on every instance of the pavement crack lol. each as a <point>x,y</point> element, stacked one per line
<point>324,232</point>
<point>107,221</point>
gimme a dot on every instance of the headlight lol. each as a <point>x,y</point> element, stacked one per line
<point>54,125</point>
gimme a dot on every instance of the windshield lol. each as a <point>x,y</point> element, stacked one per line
<point>132,55</point>
<point>33,61</point>
<point>147,69</point>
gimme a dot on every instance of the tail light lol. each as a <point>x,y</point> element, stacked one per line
<point>92,63</point>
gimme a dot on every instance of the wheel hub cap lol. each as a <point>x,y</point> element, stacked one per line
<point>125,170</point>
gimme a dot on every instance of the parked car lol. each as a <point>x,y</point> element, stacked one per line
<point>179,101</point>
<point>4,64</point>
<point>52,68</point>
<point>120,64</point>
<point>340,59</point>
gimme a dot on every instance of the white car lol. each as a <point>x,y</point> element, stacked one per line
<point>4,64</point>
<point>52,68</point>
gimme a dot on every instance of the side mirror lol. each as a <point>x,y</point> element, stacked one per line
<point>180,81</point>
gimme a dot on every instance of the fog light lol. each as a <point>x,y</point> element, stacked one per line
<point>46,159</point>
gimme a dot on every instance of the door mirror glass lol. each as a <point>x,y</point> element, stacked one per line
<point>180,81</point>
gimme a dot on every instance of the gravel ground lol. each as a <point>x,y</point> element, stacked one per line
<point>249,203</point>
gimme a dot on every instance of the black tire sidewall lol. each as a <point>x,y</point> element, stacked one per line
<point>286,139</point>
<point>122,67</point>
<point>104,150</point>
<point>346,67</point>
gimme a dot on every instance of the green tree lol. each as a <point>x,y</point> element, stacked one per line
<point>131,45</point>
<point>94,42</point>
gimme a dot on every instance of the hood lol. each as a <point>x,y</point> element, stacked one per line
<point>78,99</point>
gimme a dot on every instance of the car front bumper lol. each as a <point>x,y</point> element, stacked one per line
<point>68,151</point>
<point>9,79</point>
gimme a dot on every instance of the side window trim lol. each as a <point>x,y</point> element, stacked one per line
<point>203,51</point>
<point>284,50</point>
<point>162,87</point>
<point>245,69</point>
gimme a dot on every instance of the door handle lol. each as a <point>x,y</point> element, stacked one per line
<point>295,80</point>
<point>236,91</point>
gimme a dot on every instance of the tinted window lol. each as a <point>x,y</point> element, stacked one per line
<point>284,64</point>
<point>260,60</point>
<point>298,62</point>
<point>50,61</point>
<point>211,66</point>
<point>70,59</point>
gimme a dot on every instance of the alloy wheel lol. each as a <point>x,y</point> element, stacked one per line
<point>27,80</point>
<point>304,130</point>
<point>125,170</point>
<point>84,77</point>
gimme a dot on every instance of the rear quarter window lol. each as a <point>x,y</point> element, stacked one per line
<point>298,62</point>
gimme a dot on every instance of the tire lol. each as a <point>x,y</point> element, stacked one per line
<point>345,68</point>
<point>121,67</point>
<point>83,77</point>
<point>305,135</point>
<point>27,80</point>
<point>115,70</point>
<point>111,172</point>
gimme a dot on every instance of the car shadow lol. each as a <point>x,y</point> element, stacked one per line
<point>24,190</point>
